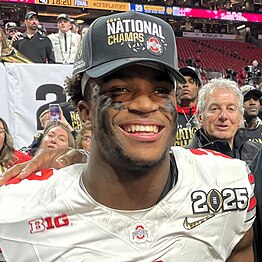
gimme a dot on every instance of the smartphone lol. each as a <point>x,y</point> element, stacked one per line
<point>54,112</point>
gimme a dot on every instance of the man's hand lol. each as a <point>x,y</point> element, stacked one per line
<point>17,36</point>
<point>243,251</point>
<point>46,158</point>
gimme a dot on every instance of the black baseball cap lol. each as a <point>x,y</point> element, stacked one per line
<point>63,16</point>
<point>10,25</point>
<point>30,15</point>
<point>116,41</point>
<point>191,71</point>
<point>248,90</point>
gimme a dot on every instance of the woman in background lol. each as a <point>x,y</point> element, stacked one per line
<point>83,140</point>
<point>8,154</point>
<point>57,135</point>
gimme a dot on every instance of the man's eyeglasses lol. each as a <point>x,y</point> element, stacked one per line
<point>2,131</point>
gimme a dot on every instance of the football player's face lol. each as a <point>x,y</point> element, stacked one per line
<point>134,116</point>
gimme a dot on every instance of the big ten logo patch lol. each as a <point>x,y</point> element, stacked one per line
<point>75,120</point>
<point>43,224</point>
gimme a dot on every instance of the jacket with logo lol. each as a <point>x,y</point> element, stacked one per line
<point>65,46</point>
<point>37,48</point>
<point>242,148</point>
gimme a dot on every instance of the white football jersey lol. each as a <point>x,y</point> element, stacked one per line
<point>202,217</point>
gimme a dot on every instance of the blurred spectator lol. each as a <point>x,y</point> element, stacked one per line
<point>252,74</point>
<point>231,74</point>
<point>220,113</point>
<point>2,41</point>
<point>8,53</point>
<point>75,26</point>
<point>65,42</point>
<point>252,105</point>
<point>256,72</point>
<point>191,62</point>
<point>84,30</point>
<point>187,122</point>
<point>8,154</point>
<point>10,30</point>
<point>57,135</point>
<point>84,138</point>
<point>42,30</point>
<point>32,43</point>
<point>45,119</point>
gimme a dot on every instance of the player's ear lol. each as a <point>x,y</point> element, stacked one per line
<point>83,109</point>
<point>200,118</point>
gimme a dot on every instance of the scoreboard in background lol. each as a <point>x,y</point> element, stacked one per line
<point>64,3</point>
<point>20,1</point>
<point>101,5</point>
<point>197,13</point>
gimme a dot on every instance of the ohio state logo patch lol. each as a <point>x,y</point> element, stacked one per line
<point>139,233</point>
<point>154,46</point>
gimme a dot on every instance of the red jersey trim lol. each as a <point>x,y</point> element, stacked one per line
<point>251,178</point>
<point>202,151</point>
<point>41,175</point>
<point>252,203</point>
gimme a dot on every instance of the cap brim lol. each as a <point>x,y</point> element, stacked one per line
<point>62,18</point>
<point>112,66</point>
<point>254,92</point>
<point>188,71</point>
<point>31,17</point>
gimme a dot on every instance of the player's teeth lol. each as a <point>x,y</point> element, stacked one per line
<point>142,128</point>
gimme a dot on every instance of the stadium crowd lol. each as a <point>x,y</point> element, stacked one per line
<point>134,107</point>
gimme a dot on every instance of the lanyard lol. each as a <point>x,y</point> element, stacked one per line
<point>64,61</point>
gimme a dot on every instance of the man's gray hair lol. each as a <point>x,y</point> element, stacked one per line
<point>219,83</point>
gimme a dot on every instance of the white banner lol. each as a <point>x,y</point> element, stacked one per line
<point>27,90</point>
<point>212,36</point>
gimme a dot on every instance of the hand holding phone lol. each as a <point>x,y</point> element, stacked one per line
<point>54,112</point>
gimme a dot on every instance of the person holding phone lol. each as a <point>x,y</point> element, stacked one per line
<point>54,113</point>
<point>54,110</point>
